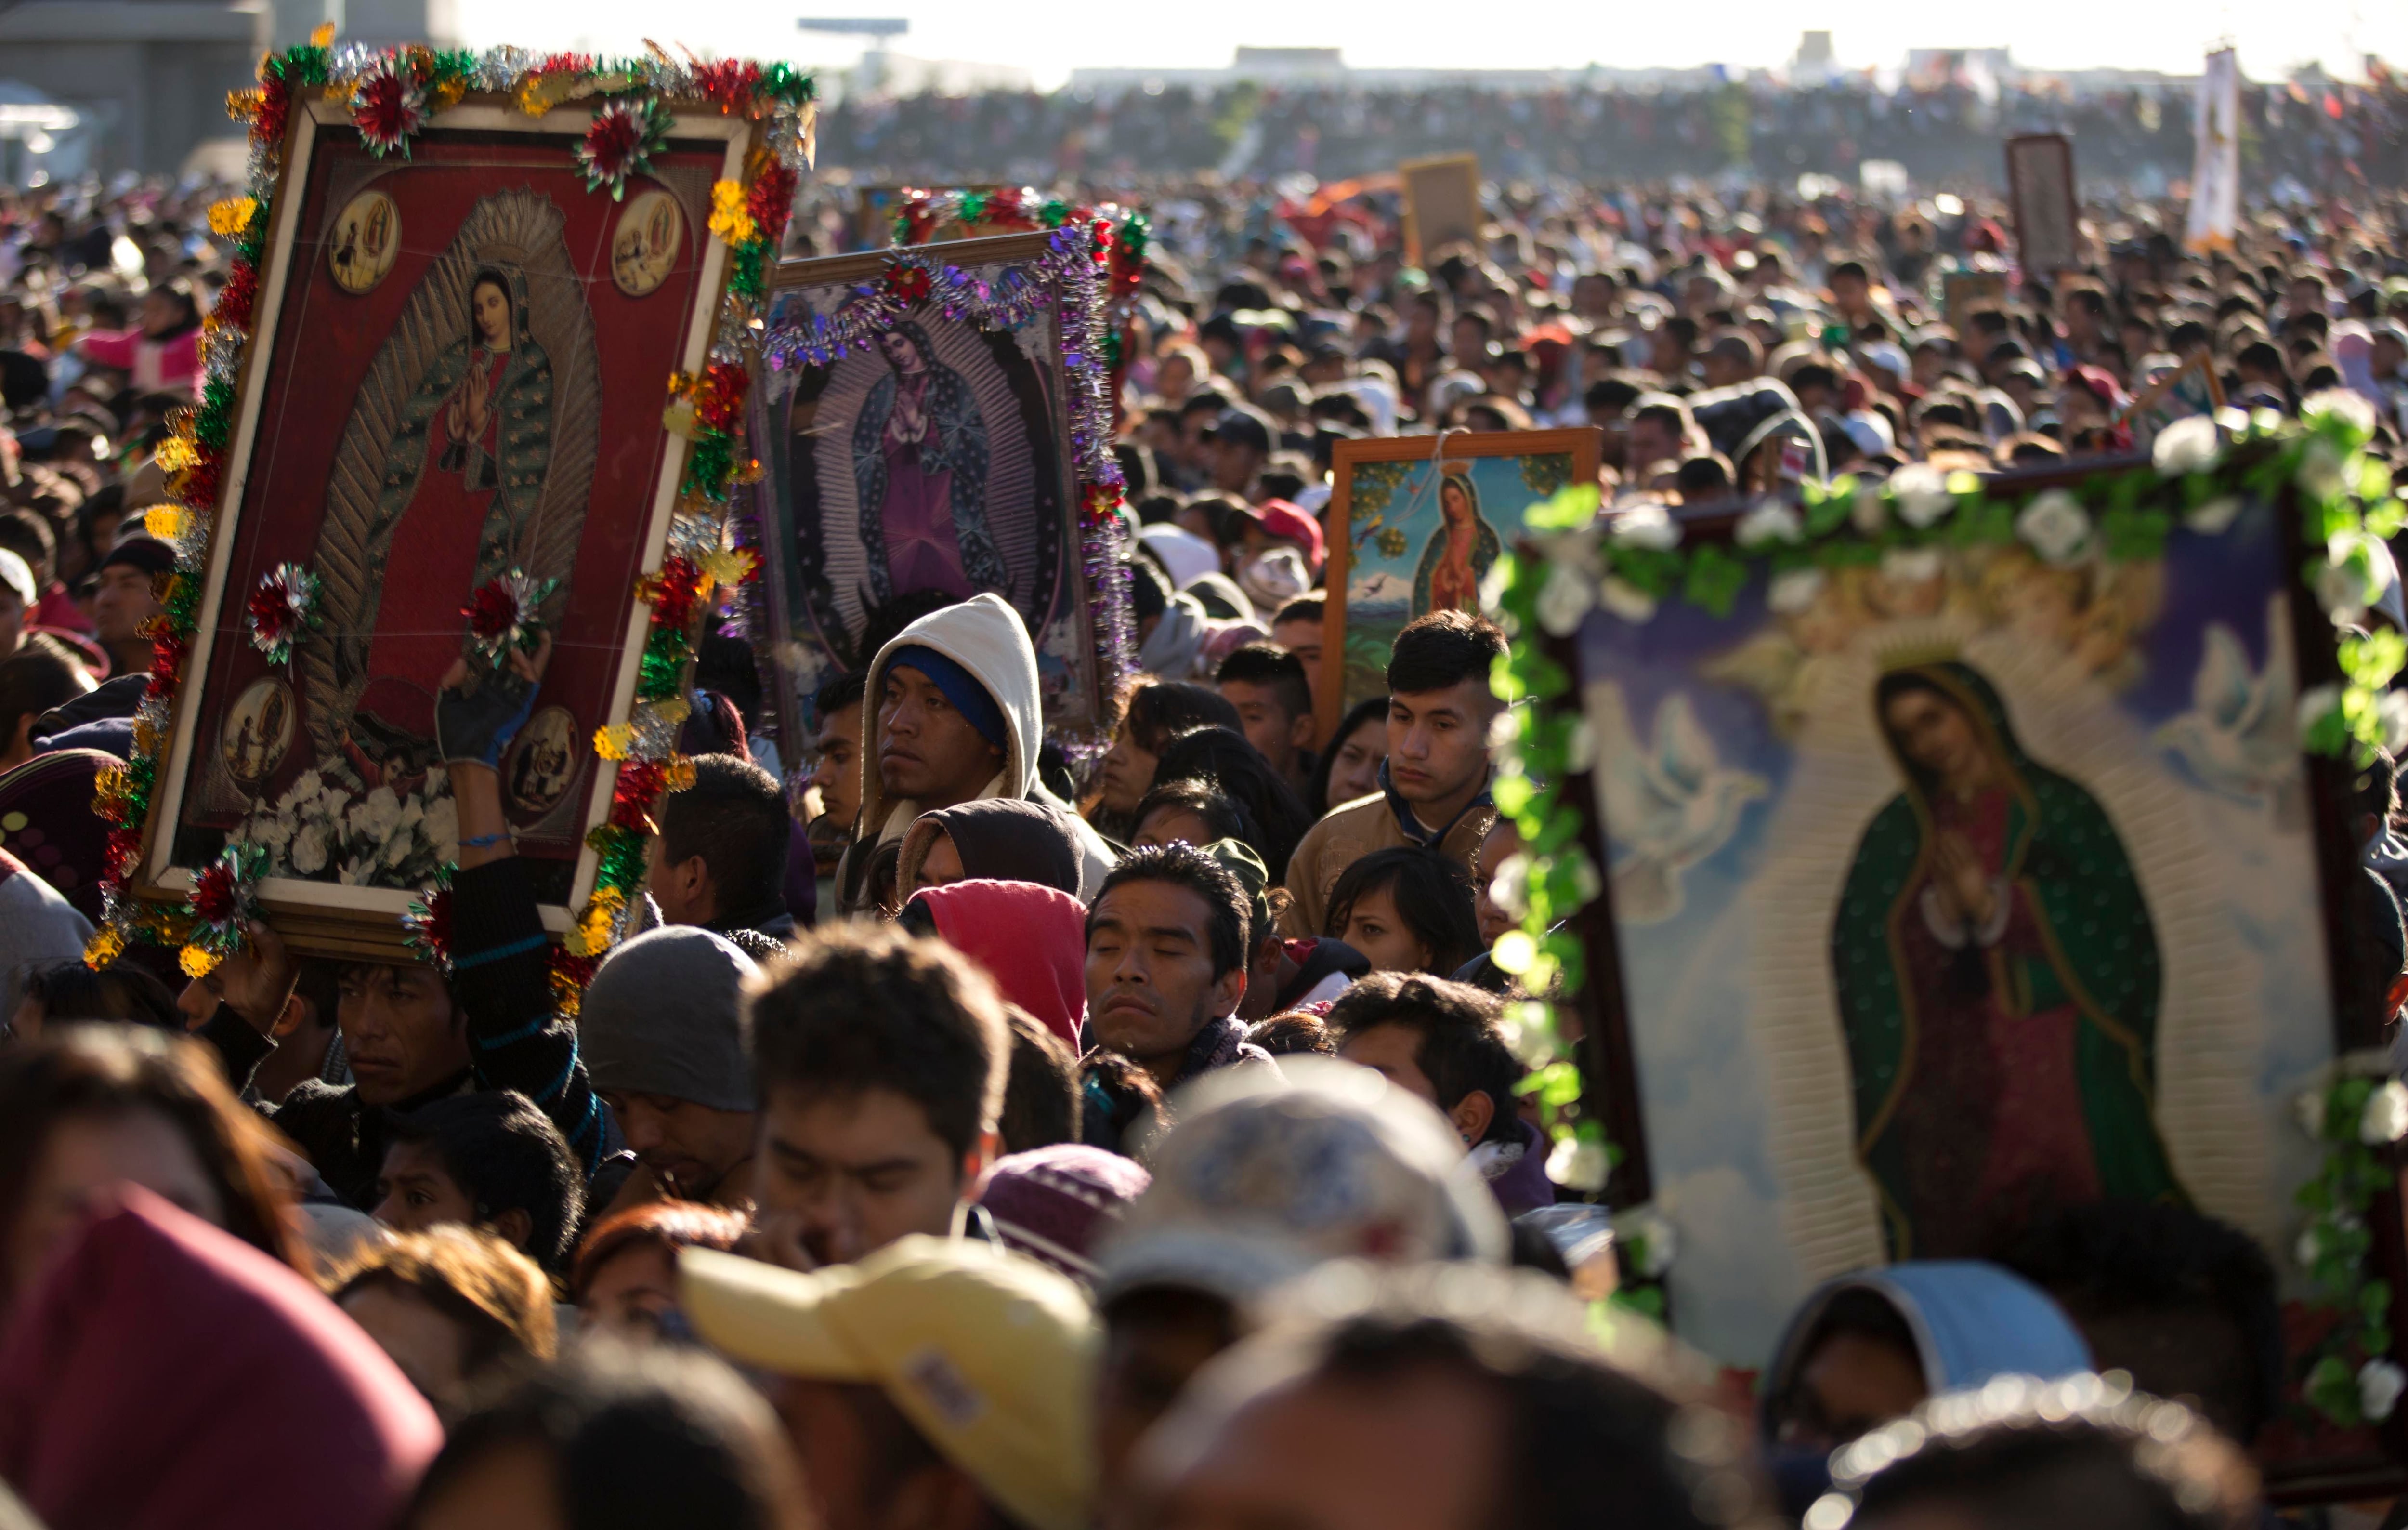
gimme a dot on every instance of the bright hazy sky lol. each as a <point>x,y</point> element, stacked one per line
<point>1049,38</point>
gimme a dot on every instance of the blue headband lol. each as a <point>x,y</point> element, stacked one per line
<point>960,686</point>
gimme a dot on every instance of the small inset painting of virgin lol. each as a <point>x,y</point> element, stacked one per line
<point>257,730</point>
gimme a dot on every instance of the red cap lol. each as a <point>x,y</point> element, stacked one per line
<point>1285,522</point>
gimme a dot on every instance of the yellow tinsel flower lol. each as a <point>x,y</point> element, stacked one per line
<point>678,419</point>
<point>538,94</point>
<point>176,453</point>
<point>231,216</point>
<point>675,710</point>
<point>146,738</point>
<point>197,962</point>
<point>611,742</point>
<point>322,35</point>
<point>729,217</point>
<point>109,787</point>
<point>103,947</point>
<point>164,522</point>
<point>680,774</point>
<point>445,94</point>
<point>729,565</point>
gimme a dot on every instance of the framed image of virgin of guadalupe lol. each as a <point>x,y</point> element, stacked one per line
<point>919,452</point>
<point>1413,524</point>
<point>455,379</point>
<point>1966,876</point>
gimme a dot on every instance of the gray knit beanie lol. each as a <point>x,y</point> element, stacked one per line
<point>665,1015</point>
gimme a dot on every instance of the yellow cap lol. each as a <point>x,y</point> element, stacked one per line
<point>989,1354</point>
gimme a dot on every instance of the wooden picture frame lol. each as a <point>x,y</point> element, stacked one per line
<point>1367,478</point>
<point>2294,999</point>
<point>1441,203</point>
<point>370,272</point>
<point>2046,201</point>
<point>824,593</point>
<point>1962,291</point>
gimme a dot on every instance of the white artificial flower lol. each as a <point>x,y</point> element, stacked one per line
<point>2379,1385</point>
<point>443,828</point>
<point>2358,412</point>
<point>274,830</point>
<point>1565,599</point>
<point>1768,521</point>
<point>1492,585</point>
<point>1529,1032</point>
<point>2393,711</point>
<point>309,850</point>
<point>1912,565</point>
<point>1867,513</point>
<point>2320,467</point>
<point>1794,591</point>
<point>2349,581</point>
<point>1509,888</point>
<point>356,871</point>
<point>2188,445</point>
<point>1580,1165</point>
<point>1626,600</point>
<point>1649,1231</point>
<point>1923,496</point>
<point>2307,1249</point>
<point>2384,1120</point>
<point>1579,747</point>
<point>2056,526</point>
<point>2317,703</point>
<point>2310,1109</point>
<point>1647,525</point>
<point>2215,517</point>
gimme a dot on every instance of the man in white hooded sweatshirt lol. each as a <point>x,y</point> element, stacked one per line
<point>950,716</point>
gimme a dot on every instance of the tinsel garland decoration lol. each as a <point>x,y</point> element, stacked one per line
<point>1118,237</point>
<point>1007,299</point>
<point>502,614</point>
<point>284,606</point>
<point>775,96</point>
<point>426,926</point>
<point>621,142</point>
<point>223,900</point>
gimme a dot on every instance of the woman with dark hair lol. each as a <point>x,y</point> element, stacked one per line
<point>91,1106</point>
<point>1407,910</point>
<point>1190,813</point>
<point>614,1437</point>
<point>73,992</point>
<point>163,351</point>
<point>1154,715</point>
<point>1222,757</point>
<point>1350,766</point>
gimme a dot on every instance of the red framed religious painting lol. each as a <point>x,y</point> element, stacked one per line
<point>447,436</point>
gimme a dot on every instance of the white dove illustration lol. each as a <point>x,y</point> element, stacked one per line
<point>1668,804</point>
<point>2240,737</point>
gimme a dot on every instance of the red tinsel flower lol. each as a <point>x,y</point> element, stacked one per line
<point>235,299</point>
<point>719,396</point>
<point>387,109</point>
<point>270,611</point>
<point>672,591</point>
<point>1103,237</point>
<point>570,971</point>
<point>909,282</point>
<point>632,796</point>
<point>564,64</point>
<point>199,482</point>
<point>167,654</point>
<point>274,110</point>
<point>728,85</point>
<point>771,202</point>
<point>124,849</point>
<point>1003,207</point>
<point>213,894</point>
<point>492,611</point>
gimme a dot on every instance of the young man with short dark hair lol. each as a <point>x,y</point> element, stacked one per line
<point>1435,783</point>
<point>1167,958</point>
<point>415,1032</point>
<point>1273,695</point>
<point>1297,628</point>
<point>1445,1041</point>
<point>487,1159</point>
<point>720,858</point>
<point>880,1063</point>
<point>836,766</point>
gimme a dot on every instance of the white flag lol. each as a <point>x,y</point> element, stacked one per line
<point>2215,174</point>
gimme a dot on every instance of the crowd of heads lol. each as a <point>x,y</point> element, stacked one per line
<point>959,1140</point>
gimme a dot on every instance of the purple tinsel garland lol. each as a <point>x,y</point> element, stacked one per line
<point>1065,278</point>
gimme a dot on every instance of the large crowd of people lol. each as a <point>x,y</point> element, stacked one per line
<point>974,1146</point>
<point>1940,126</point>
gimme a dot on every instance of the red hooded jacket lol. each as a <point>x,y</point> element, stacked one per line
<point>1031,940</point>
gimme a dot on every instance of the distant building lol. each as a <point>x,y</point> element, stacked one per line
<point>147,77</point>
<point>1274,67</point>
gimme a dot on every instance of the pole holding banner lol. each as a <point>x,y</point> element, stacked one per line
<point>2215,173</point>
